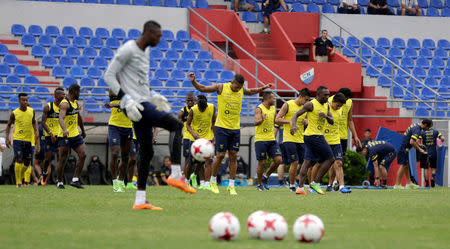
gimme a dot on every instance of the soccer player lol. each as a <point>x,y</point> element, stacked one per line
<point>39,156</point>
<point>200,124</point>
<point>317,148</point>
<point>265,143</point>
<point>132,163</point>
<point>144,108</point>
<point>278,130</point>
<point>293,143</point>
<point>430,138</point>
<point>332,136</point>
<point>411,135</point>
<point>69,137</point>
<point>50,124</point>
<point>120,140</point>
<point>381,154</point>
<point>346,120</point>
<point>187,137</point>
<point>227,128</point>
<point>24,122</point>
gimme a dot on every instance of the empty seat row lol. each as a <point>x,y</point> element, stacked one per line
<point>200,4</point>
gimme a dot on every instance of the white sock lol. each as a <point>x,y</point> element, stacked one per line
<point>206,184</point>
<point>176,172</point>
<point>115,180</point>
<point>292,185</point>
<point>59,183</point>
<point>312,183</point>
<point>231,183</point>
<point>341,187</point>
<point>214,179</point>
<point>75,179</point>
<point>302,188</point>
<point>202,183</point>
<point>119,181</point>
<point>140,197</point>
<point>335,183</point>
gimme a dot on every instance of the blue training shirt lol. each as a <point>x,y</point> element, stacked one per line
<point>413,132</point>
<point>379,149</point>
<point>429,140</point>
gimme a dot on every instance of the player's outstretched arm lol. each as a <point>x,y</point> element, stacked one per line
<point>252,91</point>
<point>279,118</point>
<point>8,129</point>
<point>307,107</point>
<point>259,117</point>
<point>202,88</point>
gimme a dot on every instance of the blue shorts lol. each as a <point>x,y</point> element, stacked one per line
<point>337,152</point>
<point>317,148</point>
<point>50,146</point>
<point>403,157</point>
<point>134,148</point>
<point>266,148</point>
<point>227,139</point>
<point>283,154</point>
<point>41,154</point>
<point>22,149</point>
<point>294,152</point>
<point>187,147</point>
<point>118,134</point>
<point>387,160</point>
<point>71,142</point>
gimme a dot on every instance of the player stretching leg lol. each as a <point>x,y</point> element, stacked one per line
<point>293,143</point>
<point>265,143</point>
<point>24,122</point>
<point>317,148</point>
<point>69,137</point>
<point>50,124</point>
<point>410,138</point>
<point>430,141</point>
<point>227,129</point>
<point>144,108</point>
<point>200,124</point>
<point>187,138</point>
<point>381,154</point>
<point>120,140</point>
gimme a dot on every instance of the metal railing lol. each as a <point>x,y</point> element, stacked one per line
<point>392,64</point>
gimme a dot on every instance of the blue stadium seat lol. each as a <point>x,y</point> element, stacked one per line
<point>13,79</point>
<point>90,52</point>
<point>446,12</point>
<point>312,8</point>
<point>21,70</point>
<point>69,31</point>
<point>423,3</point>
<point>183,36</point>
<point>431,82</point>
<point>328,8</point>
<point>249,17</point>
<point>112,43</point>
<point>363,62</point>
<point>398,43</point>
<point>106,53</point>
<point>91,1</point>
<point>186,4</point>
<point>3,49</point>
<point>216,66</point>
<point>381,50</point>
<point>418,85</point>
<point>226,76</point>
<point>172,83</point>
<point>86,32</point>
<point>62,41</point>
<point>94,73</point>
<point>298,7</point>
<point>188,55</point>
<point>177,45</point>
<point>167,92</point>
<point>404,74</point>
<point>172,55</point>
<point>59,72</point>
<point>419,72</point>
<point>377,61</point>
<point>73,52</point>
<point>202,4</point>
<point>394,59</point>
<point>163,45</point>
<point>423,62</point>
<point>366,52</point>
<point>77,72</point>
<point>435,72</point>
<point>45,40</point>
<point>407,62</point>
<point>100,62</point>
<point>153,64</point>
<point>411,52</point>
<point>447,3</point>
<point>445,82</point>
<point>101,83</point>
<point>155,83</point>
<point>4,70</point>
<point>447,71</point>
<point>48,61</point>
<point>167,64</point>
<point>161,74</point>
<point>319,2</point>
<point>178,75</point>
<point>101,91</point>
<point>205,56</point>
<point>352,42</point>
<point>436,4</point>
<point>400,80</point>
<point>18,30</point>
<point>38,51</point>
<point>155,3</point>
<point>444,92</point>
<point>333,2</point>
<point>66,61</point>
<point>79,42</point>
<point>10,60</point>
<point>186,83</point>
<point>31,80</point>
<point>425,52</point>
<point>75,1</point>
<point>92,105</point>
<point>338,41</point>
<point>118,34</point>
<point>139,2</point>
<point>211,75</point>
<point>422,112</point>
<point>438,63</point>
<point>123,2</point>
<point>171,3</point>
<point>35,30</point>
<point>383,42</point>
<point>432,12</point>
<point>87,82</point>
<point>84,61</point>
<point>393,3</point>
<point>134,34</point>
<point>370,41</point>
<point>156,54</point>
<point>349,52</point>
<point>4,88</point>
<point>194,46</point>
<point>69,81</point>
<point>413,43</point>
<point>183,65</point>
<point>28,40</point>
<point>441,53</point>
<point>96,42</point>
<point>395,52</point>
<point>397,92</point>
<point>387,70</point>
<point>429,44</point>
<point>443,44</point>
<point>199,65</point>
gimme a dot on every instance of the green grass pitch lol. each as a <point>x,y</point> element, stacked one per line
<point>44,217</point>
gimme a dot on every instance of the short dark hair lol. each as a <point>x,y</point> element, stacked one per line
<point>340,98</point>
<point>367,130</point>
<point>239,78</point>
<point>359,149</point>
<point>324,30</point>
<point>202,102</point>
<point>59,89</point>
<point>320,88</point>
<point>150,25</point>
<point>305,92</point>
<point>346,91</point>
<point>266,95</point>
<point>428,122</point>
<point>190,94</point>
<point>167,157</point>
<point>22,95</point>
<point>74,88</point>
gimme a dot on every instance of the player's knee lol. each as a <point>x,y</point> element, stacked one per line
<point>19,160</point>
<point>125,158</point>
<point>220,155</point>
<point>338,164</point>
<point>277,160</point>
<point>232,154</point>
<point>82,155</point>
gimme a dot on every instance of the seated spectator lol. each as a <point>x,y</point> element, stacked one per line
<point>409,8</point>
<point>378,7</point>
<point>238,4</point>
<point>269,7</point>
<point>159,177</point>
<point>320,48</point>
<point>349,7</point>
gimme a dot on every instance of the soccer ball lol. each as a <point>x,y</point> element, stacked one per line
<point>308,228</point>
<point>274,227</point>
<point>255,223</point>
<point>224,226</point>
<point>202,149</point>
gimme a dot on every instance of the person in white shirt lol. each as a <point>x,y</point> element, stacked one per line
<point>127,78</point>
<point>409,8</point>
<point>349,7</point>
<point>2,148</point>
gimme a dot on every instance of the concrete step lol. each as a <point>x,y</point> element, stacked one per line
<point>27,58</point>
<point>7,37</point>
<point>40,73</point>
<point>36,68</point>
<point>47,79</point>
<point>268,57</point>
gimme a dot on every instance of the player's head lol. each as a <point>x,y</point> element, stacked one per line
<point>338,101</point>
<point>59,94</point>
<point>362,150</point>
<point>347,92</point>
<point>367,133</point>
<point>426,124</point>
<point>23,100</point>
<point>151,34</point>
<point>237,83</point>
<point>167,162</point>
<point>190,99</point>
<point>74,91</point>
<point>324,34</point>
<point>202,102</point>
<point>269,98</point>
<point>322,94</point>
<point>304,95</point>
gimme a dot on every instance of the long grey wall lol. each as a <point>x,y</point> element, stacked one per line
<point>89,15</point>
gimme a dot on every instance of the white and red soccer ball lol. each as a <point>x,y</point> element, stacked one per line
<point>308,228</point>
<point>224,226</point>
<point>202,150</point>
<point>274,227</point>
<point>255,223</point>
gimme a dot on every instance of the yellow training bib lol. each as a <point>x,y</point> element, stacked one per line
<point>315,124</point>
<point>186,133</point>
<point>118,117</point>
<point>298,136</point>
<point>53,119</point>
<point>331,132</point>
<point>71,119</point>
<point>343,121</point>
<point>229,104</point>
<point>202,122</point>
<point>23,124</point>
<point>264,131</point>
